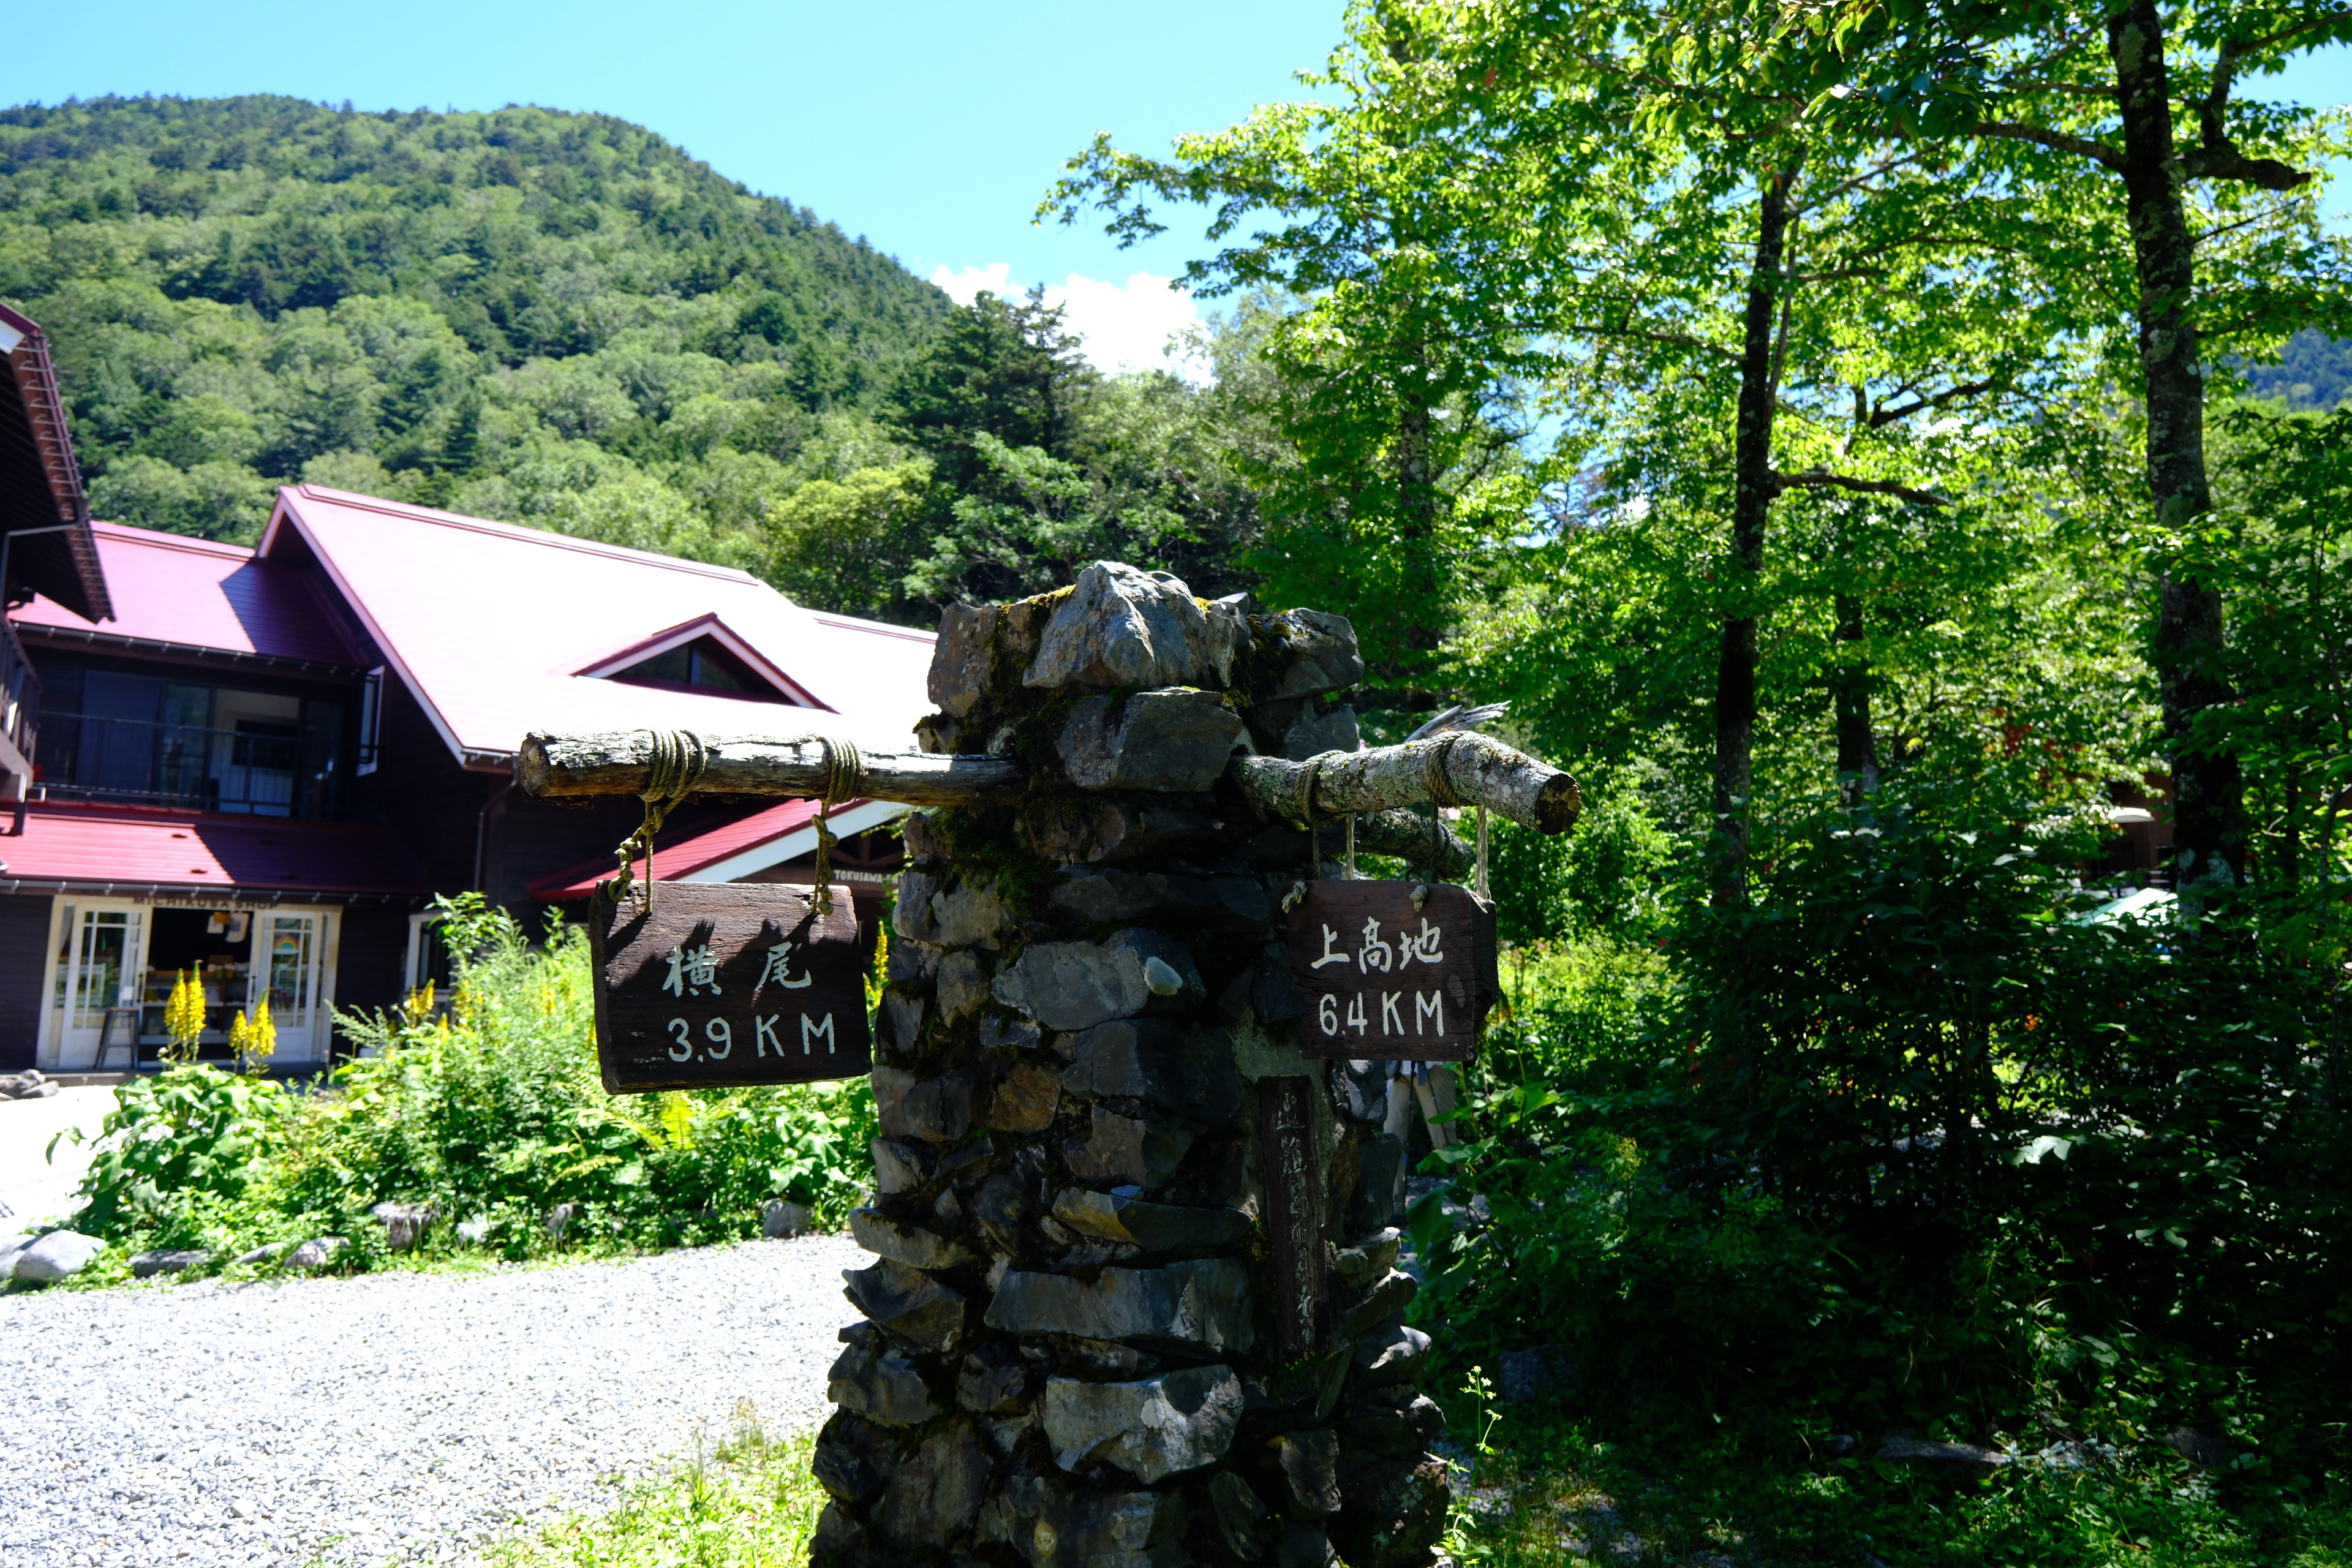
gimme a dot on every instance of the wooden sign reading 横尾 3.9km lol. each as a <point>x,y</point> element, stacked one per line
<point>1385,979</point>
<point>726,983</point>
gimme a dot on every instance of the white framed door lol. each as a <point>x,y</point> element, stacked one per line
<point>293,961</point>
<point>99,962</point>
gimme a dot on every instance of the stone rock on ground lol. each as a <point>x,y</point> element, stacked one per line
<point>140,1421</point>
<point>60,1254</point>
<point>1531,1374</point>
<point>780,1217</point>
<point>1954,1462</point>
<point>405,1224</point>
<point>1150,1428</point>
<point>315,1253</point>
<point>147,1264</point>
<point>27,1085</point>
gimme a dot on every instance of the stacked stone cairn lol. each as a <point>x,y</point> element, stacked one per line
<point>1070,1353</point>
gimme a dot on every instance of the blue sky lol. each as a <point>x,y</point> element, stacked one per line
<point>931,129</point>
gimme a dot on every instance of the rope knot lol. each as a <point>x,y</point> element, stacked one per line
<point>674,763</point>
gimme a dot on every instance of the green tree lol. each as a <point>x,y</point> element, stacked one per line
<point>1010,372</point>
<point>1395,394</point>
<point>2127,118</point>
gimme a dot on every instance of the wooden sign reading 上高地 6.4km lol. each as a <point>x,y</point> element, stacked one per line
<point>1387,979</point>
<point>726,983</point>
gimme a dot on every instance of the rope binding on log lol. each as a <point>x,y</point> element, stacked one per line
<point>675,760</point>
<point>843,769</point>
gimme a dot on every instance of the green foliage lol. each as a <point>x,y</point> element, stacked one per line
<point>749,1500</point>
<point>1557,1489</point>
<point>1606,874</point>
<point>1906,1142</point>
<point>491,1111</point>
<point>178,1147</point>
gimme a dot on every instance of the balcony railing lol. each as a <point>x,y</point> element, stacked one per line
<point>256,769</point>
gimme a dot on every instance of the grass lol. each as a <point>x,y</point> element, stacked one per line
<point>1553,1491</point>
<point>746,1502</point>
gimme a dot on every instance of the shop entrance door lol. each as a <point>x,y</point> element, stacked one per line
<point>291,962</point>
<point>101,960</point>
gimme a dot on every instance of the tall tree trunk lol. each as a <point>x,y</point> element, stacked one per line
<point>1751,502</point>
<point>1857,748</point>
<point>1417,509</point>
<point>2209,827</point>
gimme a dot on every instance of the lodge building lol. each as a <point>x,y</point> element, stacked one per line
<point>263,764</point>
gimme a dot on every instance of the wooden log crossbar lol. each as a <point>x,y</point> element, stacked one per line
<point>1464,769</point>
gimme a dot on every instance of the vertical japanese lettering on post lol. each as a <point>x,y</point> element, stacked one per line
<point>727,983</point>
<point>1385,976</point>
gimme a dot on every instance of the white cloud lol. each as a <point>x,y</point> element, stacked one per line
<point>963,285</point>
<point>1124,326</point>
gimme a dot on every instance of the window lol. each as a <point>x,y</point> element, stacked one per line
<point>370,718</point>
<point>151,739</point>
<point>701,662</point>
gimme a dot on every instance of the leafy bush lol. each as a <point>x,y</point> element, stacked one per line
<point>1904,1141</point>
<point>178,1147</point>
<point>488,1110</point>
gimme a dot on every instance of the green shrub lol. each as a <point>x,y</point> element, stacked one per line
<point>489,1109</point>
<point>1901,1141</point>
<point>177,1148</point>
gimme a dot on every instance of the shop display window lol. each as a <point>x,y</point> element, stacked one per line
<point>218,945</point>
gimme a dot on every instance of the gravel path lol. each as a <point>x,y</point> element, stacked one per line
<point>390,1417</point>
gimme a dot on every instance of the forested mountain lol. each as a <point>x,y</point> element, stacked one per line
<point>2313,376</point>
<point>562,319</point>
<point>551,317</point>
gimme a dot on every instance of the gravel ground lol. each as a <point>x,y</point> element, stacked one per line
<point>391,1417</point>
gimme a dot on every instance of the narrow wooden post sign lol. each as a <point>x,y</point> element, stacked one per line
<point>725,984</point>
<point>1293,1217</point>
<point>1390,975</point>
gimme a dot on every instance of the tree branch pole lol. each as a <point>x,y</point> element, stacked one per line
<point>1462,769</point>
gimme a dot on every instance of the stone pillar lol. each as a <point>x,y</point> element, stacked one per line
<point>1133,1300</point>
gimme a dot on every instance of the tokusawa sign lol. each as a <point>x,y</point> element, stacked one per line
<point>726,983</point>
<point>1388,976</point>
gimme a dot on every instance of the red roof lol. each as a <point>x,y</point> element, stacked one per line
<point>495,628</point>
<point>130,847</point>
<point>678,862</point>
<point>192,593</point>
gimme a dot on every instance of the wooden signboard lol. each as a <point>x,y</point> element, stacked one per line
<point>1294,1219</point>
<point>1385,980</point>
<point>726,983</point>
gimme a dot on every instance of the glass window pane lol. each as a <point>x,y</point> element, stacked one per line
<point>110,943</point>
<point>289,963</point>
